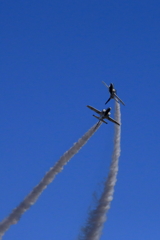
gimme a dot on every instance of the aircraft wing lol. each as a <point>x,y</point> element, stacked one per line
<point>112,120</point>
<point>119,99</point>
<point>105,84</point>
<point>94,109</point>
<point>108,100</point>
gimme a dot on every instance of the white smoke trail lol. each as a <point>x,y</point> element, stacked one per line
<point>97,217</point>
<point>48,178</point>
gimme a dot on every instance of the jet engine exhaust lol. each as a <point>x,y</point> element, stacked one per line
<point>93,228</point>
<point>32,197</point>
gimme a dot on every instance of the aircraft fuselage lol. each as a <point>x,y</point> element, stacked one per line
<point>112,90</point>
<point>105,112</point>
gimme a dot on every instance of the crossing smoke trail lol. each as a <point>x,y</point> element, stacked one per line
<point>97,217</point>
<point>48,178</point>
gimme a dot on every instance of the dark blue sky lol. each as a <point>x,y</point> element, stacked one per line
<point>54,56</point>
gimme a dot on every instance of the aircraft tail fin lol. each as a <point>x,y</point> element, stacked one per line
<point>100,119</point>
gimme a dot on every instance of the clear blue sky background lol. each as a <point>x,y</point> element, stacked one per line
<point>54,55</point>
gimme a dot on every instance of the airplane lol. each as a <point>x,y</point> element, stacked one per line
<point>112,93</point>
<point>103,114</point>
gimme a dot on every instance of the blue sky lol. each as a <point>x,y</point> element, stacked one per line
<point>54,56</point>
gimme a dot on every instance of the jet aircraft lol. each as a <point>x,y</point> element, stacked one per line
<point>103,114</point>
<point>113,93</point>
